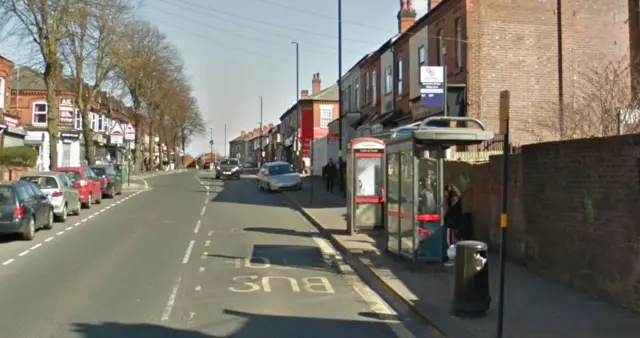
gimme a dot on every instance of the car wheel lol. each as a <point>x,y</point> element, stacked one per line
<point>63,216</point>
<point>49,224</point>
<point>89,202</point>
<point>112,192</point>
<point>260,185</point>
<point>99,200</point>
<point>76,212</point>
<point>30,230</point>
<point>269,188</point>
<point>120,190</point>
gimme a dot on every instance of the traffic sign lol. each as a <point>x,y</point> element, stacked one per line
<point>116,134</point>
<point>211,142</point>
<point>129,132</point>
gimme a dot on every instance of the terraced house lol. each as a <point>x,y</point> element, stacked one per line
<point>535,49</point>
<point>29,102</point>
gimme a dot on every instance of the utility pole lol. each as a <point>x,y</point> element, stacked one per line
<point>340,105</point>
<point>211,144</point>
<point>296,146</point>
<point>260,129</point>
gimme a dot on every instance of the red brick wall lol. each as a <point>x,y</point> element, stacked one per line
<point>573,212</point>
<point>5,72</point>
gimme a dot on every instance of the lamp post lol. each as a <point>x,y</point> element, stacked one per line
<point>211,144</point>
<point>296,146</point>
<point>260,135</point>
<point>340,105</point>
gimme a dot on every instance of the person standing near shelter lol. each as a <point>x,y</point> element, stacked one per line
<point>331,171</point>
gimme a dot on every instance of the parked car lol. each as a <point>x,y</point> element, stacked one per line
<point>110,181</point>
<point>228,168</point>
<point>86,182</point>
<point>278,175</point>
<point>24,209</point>
<point>59,190</point>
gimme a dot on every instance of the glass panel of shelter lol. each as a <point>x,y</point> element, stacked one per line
<point>393,202</point>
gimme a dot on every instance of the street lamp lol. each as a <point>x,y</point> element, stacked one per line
<point>297,136</point>
<point>211,144</point>
<point>260,133</point>
<point>340,105</point>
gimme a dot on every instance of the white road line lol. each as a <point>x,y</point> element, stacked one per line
<point>69,228</point>
<point>202,269</point>
<point>373,300</point>
<point>172,299</point>
<point>187,254</point>
<point>146,185</point>
<point>60,233</point>
<point>49,239</point>
<point>24,253</point>
<point>198,288</point>
<point>210,233</point>
<point>203,210</point>
<point>207,243</point>
<point>195,231</point>
<point>8,261</point>
<point>75,225</point>
<point>90,216</point>
<point>205,255</point>
<point>35,246</point>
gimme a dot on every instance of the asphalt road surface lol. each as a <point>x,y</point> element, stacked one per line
<point>191,257</point>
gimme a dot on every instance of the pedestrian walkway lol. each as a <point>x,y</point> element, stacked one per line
<point>534,307</point>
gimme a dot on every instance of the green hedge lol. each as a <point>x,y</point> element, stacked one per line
<point>23,156</point>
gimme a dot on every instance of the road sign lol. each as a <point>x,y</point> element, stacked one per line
<point>505,103</point>
<point>129,132</point>
<point>211,142</point>
<point>116,134</point>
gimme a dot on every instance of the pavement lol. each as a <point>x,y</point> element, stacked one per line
<point>189,257</point>
<point>533,307</point>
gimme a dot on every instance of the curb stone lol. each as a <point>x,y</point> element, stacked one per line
<point>400,303</point>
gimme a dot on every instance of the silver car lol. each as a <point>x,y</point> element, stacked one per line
<point>60,191</point>
<point>278,176</point>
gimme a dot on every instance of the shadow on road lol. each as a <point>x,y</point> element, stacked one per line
<point>279,231</point>
<point>253,325</point>
<point>283,257</point>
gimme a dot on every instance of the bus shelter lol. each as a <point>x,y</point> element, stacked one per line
<point>415,186</point>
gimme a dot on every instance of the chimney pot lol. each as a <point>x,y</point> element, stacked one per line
<point>304,93</point>
<point>316,84</point>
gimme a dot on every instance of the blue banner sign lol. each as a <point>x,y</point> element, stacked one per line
<point>432,87</point>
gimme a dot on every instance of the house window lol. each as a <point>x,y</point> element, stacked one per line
<point>94,121</point>
<point>357,93</point>
<point>78,120</point>
<point>441,47</point>
<point>388,80</point>
<point>39,116</point>
<point>374,88</point>
<point>326,116</point>
<point>349,98</point>
<point>459,41</point>
<point>2,93</point>
<point>367,89</point>
<point>400,71</point>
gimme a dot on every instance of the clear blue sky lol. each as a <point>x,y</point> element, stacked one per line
<point>238,50</point>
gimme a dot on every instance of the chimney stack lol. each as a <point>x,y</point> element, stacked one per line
<point>407,15</point>
<point>316,84</point>
<point>304,93</point>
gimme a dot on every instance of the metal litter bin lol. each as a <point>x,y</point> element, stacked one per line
<point>471,279</point>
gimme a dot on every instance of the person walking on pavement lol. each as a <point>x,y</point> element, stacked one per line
<point>331,171</point>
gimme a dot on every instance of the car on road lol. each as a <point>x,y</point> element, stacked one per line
<point>86,182</point>
<point>24,209</point>
<point>228,168</point>
<point>59,190</point>
<point>110,181</point>
<point>278,176</point>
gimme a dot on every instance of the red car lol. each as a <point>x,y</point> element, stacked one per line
<point>87,183</point>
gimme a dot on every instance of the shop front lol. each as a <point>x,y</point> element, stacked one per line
<point>39,140</point>
<point>69,154</point>
<point>13,133</point>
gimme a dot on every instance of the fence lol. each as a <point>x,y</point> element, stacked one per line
<point>480,153</point>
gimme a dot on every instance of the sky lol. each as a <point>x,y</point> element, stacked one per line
<point>236,51</point>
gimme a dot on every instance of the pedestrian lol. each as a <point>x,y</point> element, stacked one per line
<point>454,215</point>
<point>331,171</point>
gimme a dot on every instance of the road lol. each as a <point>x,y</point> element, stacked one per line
<point>191,257</point>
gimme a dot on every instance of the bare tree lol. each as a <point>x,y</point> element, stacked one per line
<point>141,47</point>
<point>601,104</point>
<point>93,34</point>
<point>192,125</point>
<point>43,21</point>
